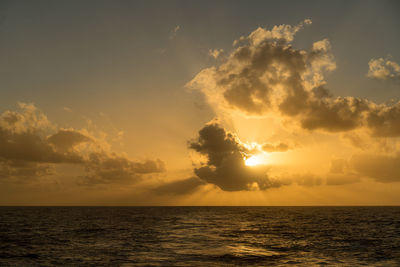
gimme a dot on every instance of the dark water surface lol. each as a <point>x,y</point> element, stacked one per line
<point>199,236</point>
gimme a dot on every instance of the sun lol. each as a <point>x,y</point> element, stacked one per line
<point>254,160</point>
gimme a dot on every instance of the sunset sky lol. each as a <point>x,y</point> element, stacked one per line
<point>200,103</point>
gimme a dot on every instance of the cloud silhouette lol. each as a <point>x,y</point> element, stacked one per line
<point>225,166</point>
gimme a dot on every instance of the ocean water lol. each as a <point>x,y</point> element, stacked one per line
<point>199,236</point>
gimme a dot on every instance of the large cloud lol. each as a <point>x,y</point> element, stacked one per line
<point>265,74</point>
<point>225,165</point>
<point>31,147</point>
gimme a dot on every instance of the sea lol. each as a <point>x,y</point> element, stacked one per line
<point>199,236</point>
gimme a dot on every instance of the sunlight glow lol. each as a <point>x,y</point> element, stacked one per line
<point>254,160</point>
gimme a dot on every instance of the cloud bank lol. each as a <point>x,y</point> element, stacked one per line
<point>32,147</point>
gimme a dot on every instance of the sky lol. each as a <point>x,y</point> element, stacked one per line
<point>199,103</point>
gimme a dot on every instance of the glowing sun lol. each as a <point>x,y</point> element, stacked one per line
<point>254,160</point>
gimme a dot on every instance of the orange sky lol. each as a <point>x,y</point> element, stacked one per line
<point>283,110</point>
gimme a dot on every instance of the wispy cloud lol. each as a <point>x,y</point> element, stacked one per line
<point>215,53</point>
<point>67,109</point>
<point>174,32</point>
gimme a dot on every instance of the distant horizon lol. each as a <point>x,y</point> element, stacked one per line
<point>202,206</point>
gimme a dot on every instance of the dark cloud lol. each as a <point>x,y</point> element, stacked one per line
<point>334,115</point>
<point>23,171</point>
<point>225,166</point>
<point>65,139</point>
<point>102,168</point>
<point>180,187</point>
<point>22,139</point>
<point>28,151</point>
<point>218,144</point>
<point>29,146</point>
